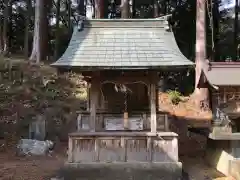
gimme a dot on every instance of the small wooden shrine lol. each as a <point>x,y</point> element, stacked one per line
<point>122,61</point>
<point>224,138</point>
<point>225,97</point>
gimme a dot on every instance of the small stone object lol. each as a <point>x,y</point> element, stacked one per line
<point>57,178</point>
<point>33,147</point>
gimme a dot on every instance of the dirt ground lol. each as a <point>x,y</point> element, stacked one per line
<point>28,168</point>
<point>44,168</point>
<point>196,169</point>
<point>13,167</point>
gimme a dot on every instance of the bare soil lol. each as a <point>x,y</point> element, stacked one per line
<point>186,109</point>
<point>13,167</point>
<point>29,168</point>
<point>45,168</point>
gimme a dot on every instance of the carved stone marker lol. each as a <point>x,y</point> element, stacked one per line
<point>37,128</point>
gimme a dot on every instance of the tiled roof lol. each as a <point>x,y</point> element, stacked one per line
<point>122,44</point>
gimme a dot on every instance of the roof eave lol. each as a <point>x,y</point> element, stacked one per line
<point>89,68</point>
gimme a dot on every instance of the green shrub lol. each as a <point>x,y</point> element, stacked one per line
<point>175,96</point>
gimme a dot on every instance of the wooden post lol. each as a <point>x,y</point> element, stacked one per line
<point>224,95</point>
<point>153,107</point>
<point>96,149</point>
<point>150,148</point>
<point>88,98</point>
<point>70,149</point>
<point>94,91</point>
<point>166,122</point>
<point>125,120</point>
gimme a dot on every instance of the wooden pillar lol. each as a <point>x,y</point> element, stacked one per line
<point>94,93</point>
<point>160,88</point>
<point>70,149</point>
<point>88,98</point>
<point>152,89</point>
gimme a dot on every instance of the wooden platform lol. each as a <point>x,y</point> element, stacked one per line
<point>123,147</point>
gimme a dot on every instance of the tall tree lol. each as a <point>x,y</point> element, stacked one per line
<point>125,9</point>
<point>98,6</point>
<point>1,25</point>
<point>216,20</point>
<point>27,24</point>
<point>1,29</point>
<point>39,32</point>
<point>69,13</point>
<point>56,50</point>
<point>155,8</point>
<point>201,89</point>
<point>236,19</point>
<point>6,18</point>
<point>80,7</point>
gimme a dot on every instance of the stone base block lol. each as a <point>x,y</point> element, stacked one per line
<point>224,156</point>
<point>235,169</point>
<point>122,171</point>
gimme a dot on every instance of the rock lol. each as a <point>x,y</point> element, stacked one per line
<point>56,178</point>
<point>33,147</point>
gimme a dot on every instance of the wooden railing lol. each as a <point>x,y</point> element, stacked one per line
<point>122,147</point>
<point>136,121</point>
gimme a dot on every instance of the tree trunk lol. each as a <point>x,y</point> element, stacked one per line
<point>201,89</point>
<point>10,30</point>
<point>133,9</point>
<point>27,23</point>
<point>7,6</point>
<point>81,8</point>
<point>216,18</point>
<point>1,28</point>
<point>98,6</point>
<point>68,9</point>
<point>236,31</point>
<point>38,39</point>
<point>1,36</point>
<point>155,8</point>
<point>166,8</point>
<point>125,9</point>
<point>56,50</point>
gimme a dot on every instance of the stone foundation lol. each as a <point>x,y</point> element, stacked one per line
<point>122,171</point>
